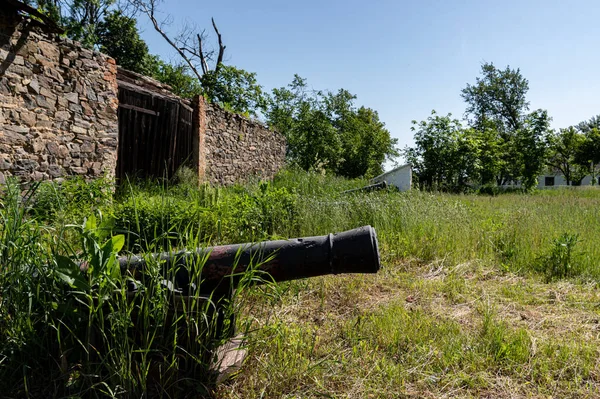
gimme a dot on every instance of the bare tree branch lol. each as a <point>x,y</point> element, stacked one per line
<point>221,47</point>
<point>149,9</point>
<point>189,42</point>
<point>201,53</point>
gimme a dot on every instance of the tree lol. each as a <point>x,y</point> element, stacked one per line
<point>564,148</point>
<point>586,126</point>
<point>531,142</point>
<point>490,150</point>
<point>48,10</point>
<point>498,96</point>
<point>300,116</point>
<point>189,43</point>
<point>436,148</point>
<point>588,155</point>
<point>236,89</point>
<point>497,103</point>
<point>182,83</point>
<point>326,131</point>
<point>118,37</point>
<point>589,152</point>
<point>83,19</point>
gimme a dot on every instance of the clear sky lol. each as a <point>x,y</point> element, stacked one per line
<point>405,58</point>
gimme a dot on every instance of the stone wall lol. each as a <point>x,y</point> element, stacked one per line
<point>237,148</point>
<point>58,105</point>
<point>58,114</point>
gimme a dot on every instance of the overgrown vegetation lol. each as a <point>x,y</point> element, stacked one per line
<point>476,292</point>
<point>500,143</point>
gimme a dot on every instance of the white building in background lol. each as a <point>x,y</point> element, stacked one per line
<point>400,177</point>
<point>553,180</point>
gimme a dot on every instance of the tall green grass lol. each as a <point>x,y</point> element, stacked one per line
<point>72,326</point>
<point>97,338</point>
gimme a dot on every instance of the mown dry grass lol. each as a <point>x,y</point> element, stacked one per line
<point>425,331</point>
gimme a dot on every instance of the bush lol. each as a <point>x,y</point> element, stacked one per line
<point>73,198</point>
<point>562,260</point>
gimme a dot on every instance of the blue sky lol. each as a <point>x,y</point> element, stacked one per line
<point>405,58</point>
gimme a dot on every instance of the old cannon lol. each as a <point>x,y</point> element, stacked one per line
<point>372,187</point>
<point>212,274</point>
<point>352,251</point>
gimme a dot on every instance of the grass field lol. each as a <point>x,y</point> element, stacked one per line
<point>478,296</point>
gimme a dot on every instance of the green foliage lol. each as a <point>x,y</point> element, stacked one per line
<point>497,103</point>
<point>266,211</point>
<point>235,89</point>
<point>71,199</point>
<point>499,97</point>
<point>505,347</point>
<point>586,126</point>
<point>565,148</point>
<point>531,141</point>
<point>502,145</point>
<point>50,8</point>
<point>118,37</point>
<point>83,18</point>
<point>325,131</point>
<point>177,76</point>
<point>562,260</point>
<point>183,214</point>
<point>71,326</point>
<point>588,154</point>
<point>440,148</point>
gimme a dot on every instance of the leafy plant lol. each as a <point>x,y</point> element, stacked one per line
<point>561,261</point>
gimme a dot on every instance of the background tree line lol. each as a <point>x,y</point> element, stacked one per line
<point>325,130</point>
<point>500,141</point>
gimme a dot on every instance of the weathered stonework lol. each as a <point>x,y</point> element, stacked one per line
<point>58,114</point>
<point>237,148</point>
<point>58,105</point>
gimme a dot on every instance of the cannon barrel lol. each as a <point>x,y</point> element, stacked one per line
<point>373,187</point>
<point>352,251</point>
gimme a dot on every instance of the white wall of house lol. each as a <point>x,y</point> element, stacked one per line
<point>400,177</point>
<point>559,180</point>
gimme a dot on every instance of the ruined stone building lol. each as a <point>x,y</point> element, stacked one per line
<point>69,111</point>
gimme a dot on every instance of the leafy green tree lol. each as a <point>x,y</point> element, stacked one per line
<point>436,149</point>
<point>177,76</point>
<point>588,156</point>
<point>366,144</point>
<point>531,142</point>
<point>498,96</point>
<point>83,18</point>
<point>50,8</point>
<point>490,150</point>
<point>589,151</point>
<point>586,126</point>
<point>236,89</point>
<point>326,131</point>
<point>564,148</point>
<point>497,103</point>
<point>300,116</point>
<point>118,37</point>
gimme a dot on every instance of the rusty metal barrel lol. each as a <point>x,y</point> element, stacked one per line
<point>373,187</point>
<point>222,267</point>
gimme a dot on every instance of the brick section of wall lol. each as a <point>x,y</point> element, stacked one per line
<point>58,105</point>
<point>199,158</point>
<point>237,148</point>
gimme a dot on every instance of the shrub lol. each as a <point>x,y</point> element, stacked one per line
<point>562,260</point>
<point>72,198</point>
